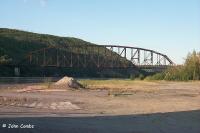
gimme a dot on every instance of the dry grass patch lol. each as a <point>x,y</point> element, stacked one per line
<point>122,87</point>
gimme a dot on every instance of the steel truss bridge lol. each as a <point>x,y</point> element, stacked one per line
<point>98,56</point>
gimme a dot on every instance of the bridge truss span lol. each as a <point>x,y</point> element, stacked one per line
<point>141,57</point>
<point>98,56</point>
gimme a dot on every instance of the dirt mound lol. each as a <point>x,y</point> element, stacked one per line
<point>68,82</point>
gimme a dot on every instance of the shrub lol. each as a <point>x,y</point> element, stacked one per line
<point>5,59</point>
<point>141,77</point>
<point>132,76</point>
<point>192,65</point>
<point>158,76</point>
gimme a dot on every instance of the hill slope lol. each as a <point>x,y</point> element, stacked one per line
<point>16,44</point>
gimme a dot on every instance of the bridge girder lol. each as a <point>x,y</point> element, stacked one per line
<point>100,56</point>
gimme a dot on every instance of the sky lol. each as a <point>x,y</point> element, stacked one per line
<point>171,27</point>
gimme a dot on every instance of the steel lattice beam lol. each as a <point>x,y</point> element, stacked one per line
<point>100,56</point>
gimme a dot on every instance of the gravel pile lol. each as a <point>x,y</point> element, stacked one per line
<point>69,82</point>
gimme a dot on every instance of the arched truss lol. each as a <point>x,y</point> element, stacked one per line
<point>99,56</point>
<point>141,57</point>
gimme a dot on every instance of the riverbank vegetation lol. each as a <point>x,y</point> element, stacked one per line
<point>190,70</point>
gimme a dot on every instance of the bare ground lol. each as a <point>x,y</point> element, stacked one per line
<point>106,106</point>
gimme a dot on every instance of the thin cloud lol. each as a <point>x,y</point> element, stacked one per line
<point>42,3</point>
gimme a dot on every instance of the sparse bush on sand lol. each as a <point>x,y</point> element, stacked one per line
<point>137,76</point>
<point>48,82</point>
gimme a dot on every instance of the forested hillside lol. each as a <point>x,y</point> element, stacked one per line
<point>15,45</point>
